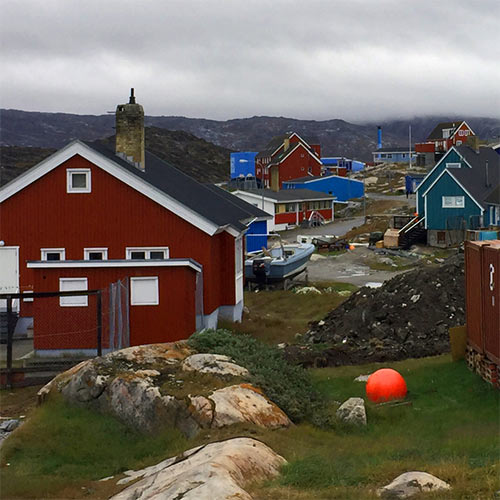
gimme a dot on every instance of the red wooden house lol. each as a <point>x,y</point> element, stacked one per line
<point>287,157</point>
<point>441,139</point>
<point>87,216</point>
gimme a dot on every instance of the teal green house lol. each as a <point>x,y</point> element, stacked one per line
<point>461,192</point>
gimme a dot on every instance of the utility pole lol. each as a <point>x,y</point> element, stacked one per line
<point>409,144</point>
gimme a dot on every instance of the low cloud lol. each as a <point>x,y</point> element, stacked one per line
<point>350,59</point>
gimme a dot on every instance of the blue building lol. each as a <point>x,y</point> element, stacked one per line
<point>243,164</point>
<point>342,188</point>
<point>393,155</point>
<point>412,181</point>
<point>461,192</point>
<point>341,161</point>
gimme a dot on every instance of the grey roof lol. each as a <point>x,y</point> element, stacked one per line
<point>277,141</point>
<point>474,179</point>
<point>393,150</point>
<point>291,194</point>
<point>493,198</point>
<point>203,200</point>
<point>252,210</point>
<point>437,132</point>
<point>272,145</point>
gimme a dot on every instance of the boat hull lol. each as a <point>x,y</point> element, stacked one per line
<point>278,269</point>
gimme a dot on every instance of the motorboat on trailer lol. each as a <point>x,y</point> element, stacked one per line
<point>278,263</point>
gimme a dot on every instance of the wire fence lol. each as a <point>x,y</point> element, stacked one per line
<point>75,324</point>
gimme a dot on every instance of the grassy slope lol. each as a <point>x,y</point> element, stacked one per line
<point>450,430</point>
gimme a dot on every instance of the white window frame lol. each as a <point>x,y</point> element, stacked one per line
<point>69,186</point>
<point>45,251</point>
<point>77,301</point>
<point>453,201</point>
<point>134,300</point>
<point>147,251</point>
<point>88,251</point>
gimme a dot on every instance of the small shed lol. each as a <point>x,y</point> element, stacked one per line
<point>412,181</point>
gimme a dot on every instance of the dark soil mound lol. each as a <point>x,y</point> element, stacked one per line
<point>408,317</point>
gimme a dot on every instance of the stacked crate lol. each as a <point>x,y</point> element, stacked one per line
<point>482,281</point>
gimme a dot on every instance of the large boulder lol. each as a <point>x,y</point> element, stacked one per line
<point>216,364</point>
<point>150,387</point>
<point>244,403</point>
<point>410,483</point>
<point>352,411</point>
<point>214,471</point>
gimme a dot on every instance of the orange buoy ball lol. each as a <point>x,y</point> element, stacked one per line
<point>385,385</point>
<point>351,247</point>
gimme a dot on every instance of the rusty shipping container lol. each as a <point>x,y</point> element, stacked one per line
<point>482,281</point>
<point>491,300</point>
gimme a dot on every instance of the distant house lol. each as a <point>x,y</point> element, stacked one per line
<point>461,192</point>
<point>340,165</point>
<point>341,188</point>
<point>289,207</point>
<point>393,155</point>
<point>89,215</point>
<point>441,139</point>
<point>287,157</point>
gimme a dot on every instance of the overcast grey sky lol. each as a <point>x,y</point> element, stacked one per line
<point>350,59</point>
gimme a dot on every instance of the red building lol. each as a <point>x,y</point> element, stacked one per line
<point>289,207</point>
<point>441,139</point>
<point>88,215</point>
<point>287,157</point>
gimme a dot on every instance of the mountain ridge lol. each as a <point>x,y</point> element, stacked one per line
<point>337,137</point>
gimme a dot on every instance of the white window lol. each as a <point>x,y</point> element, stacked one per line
<point>78,180</point>
<point>53,253</point>
<point>146,253</point>
<point>73,285</point>
<point>453,201</point>
<point>95,254</point>
<point>144,291</point>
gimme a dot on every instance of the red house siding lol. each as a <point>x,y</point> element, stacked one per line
<point>113,215</point>
<point>298,164</point>
<point>57,327</point>
<point>291,217</point>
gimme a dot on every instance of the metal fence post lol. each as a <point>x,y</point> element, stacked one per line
<point>10,337</point>
<point>99,323</point>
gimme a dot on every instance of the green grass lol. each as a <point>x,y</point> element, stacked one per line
<point>450,429</point>
<point>270,319</point>
<point>61,446</point>
<point>287,385</point>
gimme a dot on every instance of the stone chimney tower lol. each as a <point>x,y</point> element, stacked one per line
<point>130,132</point>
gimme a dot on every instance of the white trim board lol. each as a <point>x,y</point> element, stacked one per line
<point>274,200</point>
<point>79,148</point>
<point>309,152</point>
<point>445,171</point>
<point>76,264</point>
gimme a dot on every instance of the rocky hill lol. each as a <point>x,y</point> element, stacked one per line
<point>196,157</point>
<point>337,137</point>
